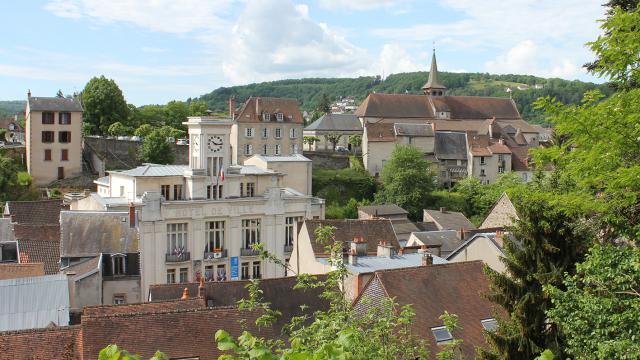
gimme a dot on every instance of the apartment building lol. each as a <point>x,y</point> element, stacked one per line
<point>53,138</point>
<point>201,220</point>
<point>265,126</point>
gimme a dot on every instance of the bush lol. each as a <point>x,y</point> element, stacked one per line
<point>338,186</point>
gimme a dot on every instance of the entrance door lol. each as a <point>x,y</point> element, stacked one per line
<point>60,173</point>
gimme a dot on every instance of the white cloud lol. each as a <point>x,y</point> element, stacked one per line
<point>156,15</point>
<point>358,4</point>
<point>39,73</point>
<point>528,57</point>
<point>395,59</point>
<point>153,50</point>
<point>261,48</point>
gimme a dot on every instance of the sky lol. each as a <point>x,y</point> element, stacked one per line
<point>162,50</point>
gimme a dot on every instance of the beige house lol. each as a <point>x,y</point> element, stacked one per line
<point>486,247</point>
<point>502,215</point>
<point>296,167</point>
<point>265,126</point>
<point>201,220</point>
<point>53,138</point>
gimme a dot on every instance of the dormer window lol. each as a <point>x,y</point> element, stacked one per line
<point>118,263</point>
<point>489,324</point>
<point>280,117</point>
<point>266,116</point>
<point>441,334</point>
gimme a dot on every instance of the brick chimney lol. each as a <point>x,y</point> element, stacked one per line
<point>132,215</point>
<point>359,245</point>
<point>201,287</point>
<point>232,107</point>
<point>443,209</point>
<point>427,259</point>
<point>29,93</point>
<point>185,294</point>
<point>423,249</point>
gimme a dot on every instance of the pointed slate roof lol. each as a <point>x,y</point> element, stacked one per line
<point>433,82</point>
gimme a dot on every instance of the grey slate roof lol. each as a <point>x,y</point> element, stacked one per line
<point>424,130</point>
<point>336,122</point>
<point>450,220</point>
<point>367,264</point>
<point>448,239</point>
<point>154,170</point>
<point>34,302</point>
<point>89,233</point>
<point>450,145</point>
<point>54,104</point>
<point>383,210</point>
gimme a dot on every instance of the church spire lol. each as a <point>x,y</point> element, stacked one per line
<point>433,86</point>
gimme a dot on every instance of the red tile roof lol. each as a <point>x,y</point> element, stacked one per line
<point>35,212</point>
<point>380,132</point>
<point>396,106</point>
<point>454,287</point>
<point>39,244</point>
<point>50,343</point>
<point>252,110</point>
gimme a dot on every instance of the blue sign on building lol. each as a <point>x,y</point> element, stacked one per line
<point>234,268</point>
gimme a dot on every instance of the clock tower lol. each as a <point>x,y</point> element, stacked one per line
<point>209,154</point>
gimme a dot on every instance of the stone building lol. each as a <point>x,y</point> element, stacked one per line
<point>53,138</point>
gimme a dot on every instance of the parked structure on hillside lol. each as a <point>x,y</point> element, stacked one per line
<point>53,138</point>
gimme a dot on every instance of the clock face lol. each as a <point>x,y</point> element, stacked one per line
<point>195,144</point>
<point>214,144</point>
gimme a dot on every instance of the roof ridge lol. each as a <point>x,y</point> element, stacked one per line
<point>450,264</point>
<point>40,330</point>
<point>159,312</point>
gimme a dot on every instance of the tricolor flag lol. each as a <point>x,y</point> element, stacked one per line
<point>221,173</point>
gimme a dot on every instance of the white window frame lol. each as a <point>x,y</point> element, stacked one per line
<point>265,149</point>
<point>177,236</point>
<point>256,270</point>
<point>278,133</point>
<point>250,232</point>
<point>171,276</point>
<point>120,261</point>
<point>248,149</point>
<point>483,160</point>
<point>292,133</point>
<point>265,132</point>
<point>266,117</point>
<point>249,132</point>
<point>214,232</point>
<point>279,117</point>
<point>278,149</point>
<point>290,224</point>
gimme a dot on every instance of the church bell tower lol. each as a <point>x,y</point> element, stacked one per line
<point>434,87</point>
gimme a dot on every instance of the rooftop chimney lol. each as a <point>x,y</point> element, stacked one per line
<point>353,257</point>
<point>201,287</point>
<point>384,250</point>
<point>185,294</point>
<point>443,209</point>
<point>29,93</point>
<point>132,215</point>
<point>427,259</point>
<point>232,107</point>
<point>359,246</point>
<point>423,249</point>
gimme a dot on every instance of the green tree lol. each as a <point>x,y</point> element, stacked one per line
<point>597,308</point>
<point>355,141</point>
<point>546,243</point>
<point>333,138</point>
<point>198,108</point>
<point>156,149</point>
<point>176,112</point>
<point>103,105</point>
<point>118,129</point>
<point>407,180</point>
<point>324,104</point>
<point>143,130</point>
<point>451,350</point>
<point>59,93</point>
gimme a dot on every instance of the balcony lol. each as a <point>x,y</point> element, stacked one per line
<point>215,255</point>
<point>178,257</point>
<point>288,248</point>
<point>249,252</point>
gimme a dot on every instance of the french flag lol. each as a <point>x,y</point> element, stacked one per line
<point>221,173</point>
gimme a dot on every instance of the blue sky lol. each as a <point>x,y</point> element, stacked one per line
<point>161,50</point>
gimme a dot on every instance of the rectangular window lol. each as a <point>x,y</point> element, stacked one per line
<point>221,272</point>
<point>256,270</point>
<point>441,334</point>
<point>165,190</point>
<point>184,275</point>
<point>47,136</point>
<point>118,299</point>
<point>482,172</point>
<point>47,155</point>
<point>248,132</point>
<point>118,264</point>
<point>289,229</point>
<point>265,133</point>
<point>250,232</point>
<point>266,116</point>
<point>251,187</point>
<point>214,165</point>
<point>280,117</point>
<point>64,118</point>
<point>241,189</point>
<point>64,136</point>
<point>245,271</point>
<point>171,276</point>
<point>48,117</point>
<point>121,191</point>
<point>482,160</point>
<point>64,155</point>
<point>248,149</point>
<point>489,324</point>
<point>177,192</point>
<point>278,133</point>
<point>208,273</point>
<point>500,157</point>
<point>177,238</point>
<point>214,236</point>
<point>264,149</point>
<point>292,133</point>
<point>278,149</point>
<point>500,169</point>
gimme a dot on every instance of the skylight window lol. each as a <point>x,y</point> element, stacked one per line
<point>441,334</point>
<point>489,324</point>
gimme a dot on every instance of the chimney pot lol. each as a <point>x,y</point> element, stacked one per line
<point>443,209</point>
<point>29,93</point>
<point>427,259</point>
<point>353,257</point>
<point>185,294</point>
<point>201,287</point>
<point>132,215</point>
